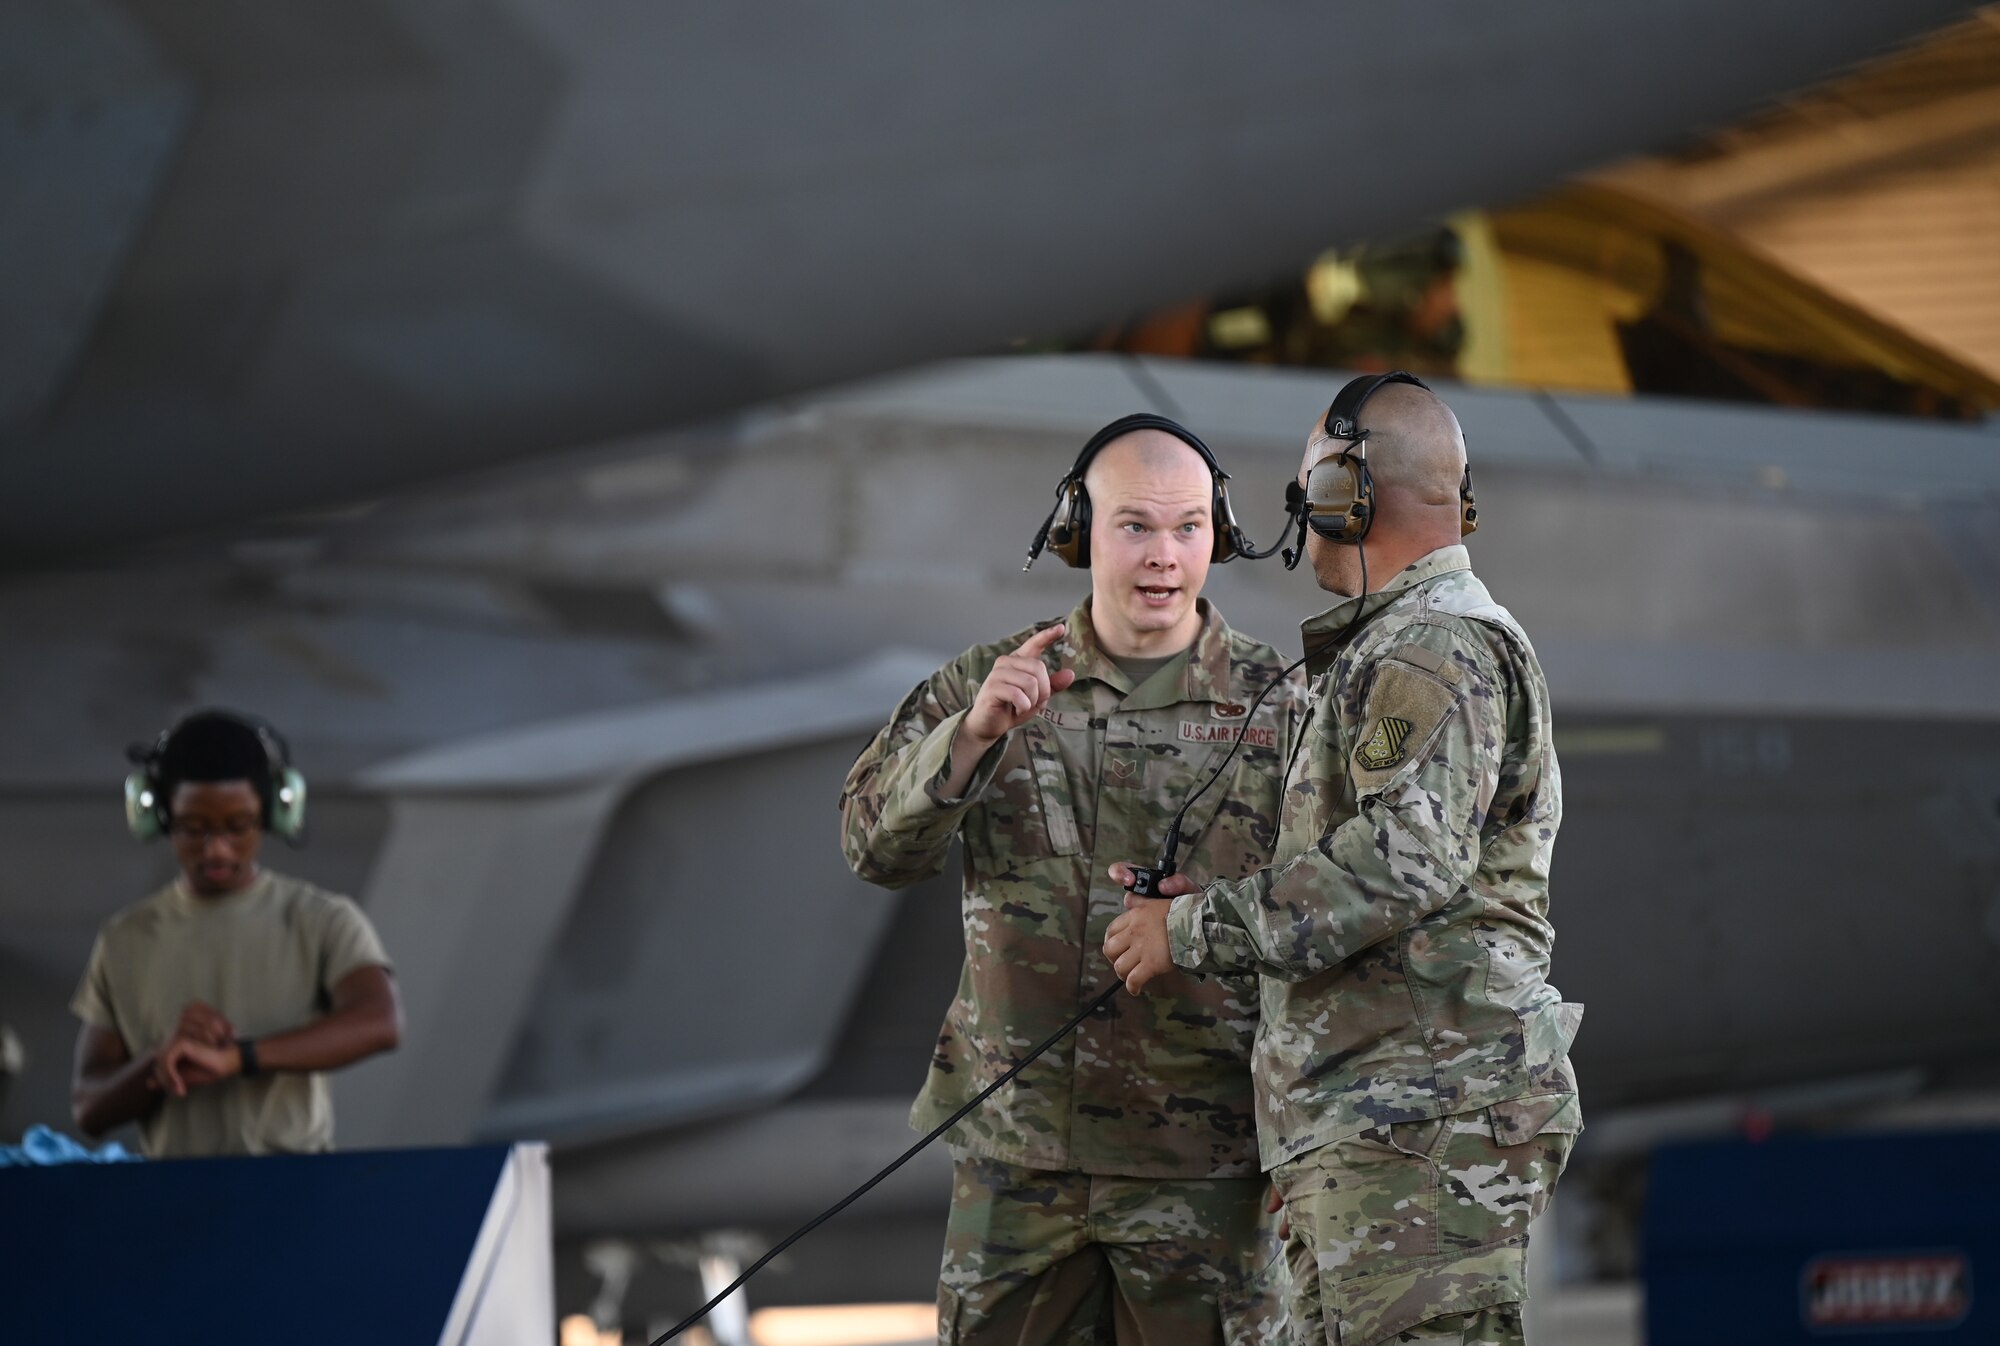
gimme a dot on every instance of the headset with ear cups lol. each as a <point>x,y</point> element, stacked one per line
<point>1338,499</point>
<point>147,815</point>
<point>1066,531</point>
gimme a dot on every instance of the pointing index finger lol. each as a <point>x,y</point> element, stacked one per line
<point>1039,642</point>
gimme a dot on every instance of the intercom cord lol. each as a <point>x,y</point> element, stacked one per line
<point>1170,848</point>
<point>936,1131</point>
<point>1103,999</point>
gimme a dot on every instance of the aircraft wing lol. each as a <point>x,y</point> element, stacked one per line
<point>265,259</point>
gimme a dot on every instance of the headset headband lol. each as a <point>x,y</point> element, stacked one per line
<point>283,799</point>
<point>1343,418</point>
<point>1067,529</point>
<point>1344,509</point>
<point>1144,420</point>
<point>277,752</point>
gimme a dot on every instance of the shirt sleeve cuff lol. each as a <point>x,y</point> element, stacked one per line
<point>92,1012</point>
<point>1187,944</point>
<point>1200,941</point>
<point>933,764</point>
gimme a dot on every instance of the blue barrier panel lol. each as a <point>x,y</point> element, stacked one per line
<point>1878,1239</point>
<point>339,1248</point>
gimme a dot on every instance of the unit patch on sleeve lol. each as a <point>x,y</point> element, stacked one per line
<point>1384,747</point>
<point>1405,709</point>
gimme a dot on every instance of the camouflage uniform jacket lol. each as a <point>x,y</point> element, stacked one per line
<point>1403,928</point>
<point>1156,1086</point>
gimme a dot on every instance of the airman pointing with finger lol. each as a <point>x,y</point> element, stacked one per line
<point>1111,1192</point>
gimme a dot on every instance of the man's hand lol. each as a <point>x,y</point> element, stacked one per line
<point>1173,885</point>
<point>1136,943</point>
<point>1272,1205</point>
<point>185,1064</point>
<point>204,1023</point>
<point>1016,690</point>
<point>202,1043</point>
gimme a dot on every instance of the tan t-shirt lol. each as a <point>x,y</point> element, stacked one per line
<point>268,959</point>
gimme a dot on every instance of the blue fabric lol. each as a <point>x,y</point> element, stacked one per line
<point>40,1147</point>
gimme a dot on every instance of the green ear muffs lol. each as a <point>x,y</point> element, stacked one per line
<point>146,815</point>
<point>286,817</point>
<point>145,811</point>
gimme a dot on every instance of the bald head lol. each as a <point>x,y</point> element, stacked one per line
<point>1416,448</point>
<point>1416,452</point>
<point>1152,457</point>
<point>1416,458</point>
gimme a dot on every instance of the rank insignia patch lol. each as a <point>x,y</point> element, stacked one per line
<point>1384,747</point>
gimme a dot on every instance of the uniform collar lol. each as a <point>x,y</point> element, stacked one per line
<point>1318,630</point>
<point>1204,677</point>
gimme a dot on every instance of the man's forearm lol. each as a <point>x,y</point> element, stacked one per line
<point>1200,940</point>
<point>898,824</point>
<point>340,1039</point>
<point>967,752</point>
<point>1368,880</point>
<point>110,1098</point>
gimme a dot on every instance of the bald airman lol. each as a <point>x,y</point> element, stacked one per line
<point>1111,1192</point>
<point>1415,1100</point>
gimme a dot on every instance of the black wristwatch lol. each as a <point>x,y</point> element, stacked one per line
<point>247,1048</point>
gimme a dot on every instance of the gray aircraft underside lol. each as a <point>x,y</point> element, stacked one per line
<point>575,739</point>
<point>264,257</point>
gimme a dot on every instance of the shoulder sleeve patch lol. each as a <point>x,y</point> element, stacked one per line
<point>1406,708</point>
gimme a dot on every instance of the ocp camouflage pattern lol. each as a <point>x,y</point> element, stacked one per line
<point>1194,1261</point>
<point>1419,1231</point>
<point>1152,1086</point>
<point>1403,931</point>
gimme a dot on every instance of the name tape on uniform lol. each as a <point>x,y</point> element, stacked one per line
<point>1256,736</point>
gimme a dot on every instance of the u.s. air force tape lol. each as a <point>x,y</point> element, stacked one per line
<point>1254,736</point>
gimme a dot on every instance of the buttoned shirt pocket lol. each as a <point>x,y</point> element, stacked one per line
<point>1227,835</point>
<point>1029,810</point>
<point>1053,792</point>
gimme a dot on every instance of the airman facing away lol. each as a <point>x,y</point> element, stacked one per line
<point>1414,1094</point>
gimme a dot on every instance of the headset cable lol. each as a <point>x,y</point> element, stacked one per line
<point>942,1127</point>
<point>1168,855</point>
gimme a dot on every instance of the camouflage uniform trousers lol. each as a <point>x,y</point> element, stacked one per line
<point>1045,1258</point>
<point>1419,1231</point>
